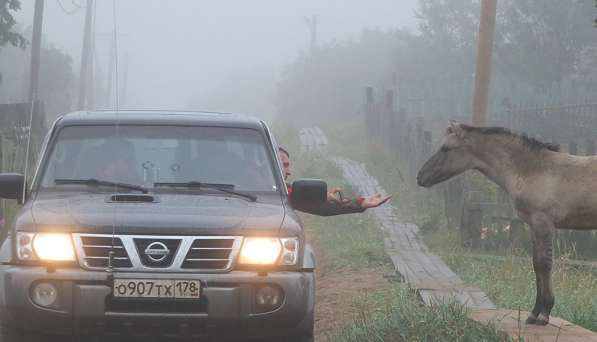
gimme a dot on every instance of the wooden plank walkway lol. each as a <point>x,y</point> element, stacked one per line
<point>427,273</point>
<point>414,263</point>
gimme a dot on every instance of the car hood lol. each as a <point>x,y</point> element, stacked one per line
<point>169,214</point>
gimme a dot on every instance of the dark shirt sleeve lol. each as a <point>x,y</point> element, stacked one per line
<point>331,208</point>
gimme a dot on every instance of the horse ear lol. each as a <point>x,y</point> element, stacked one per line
<point>455,128</point>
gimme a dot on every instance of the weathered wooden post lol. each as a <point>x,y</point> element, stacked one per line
<point>453,201</point>
<point>590,149</point>
<point>420,142</point>
<point>472,222</point>
<point>427,144</point>
<point>390,127</point>
<point>402,127</point>
<point>369,124</point>
<point>573,148</point>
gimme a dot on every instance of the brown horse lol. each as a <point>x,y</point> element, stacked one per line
<point>549,189</point>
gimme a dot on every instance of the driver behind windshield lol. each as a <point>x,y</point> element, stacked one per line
<point>118,162</point>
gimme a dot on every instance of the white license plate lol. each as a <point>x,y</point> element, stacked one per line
<point>153,288</point>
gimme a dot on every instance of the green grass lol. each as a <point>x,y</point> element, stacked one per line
<point>399,317</point>
<point>509,280</point>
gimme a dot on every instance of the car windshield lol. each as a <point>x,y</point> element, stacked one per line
<point>144,155</point>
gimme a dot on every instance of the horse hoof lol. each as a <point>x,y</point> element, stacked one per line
<point>542,320</point>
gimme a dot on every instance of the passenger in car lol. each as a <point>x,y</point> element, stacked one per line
<point>334,205</point>
<point>118,159</point>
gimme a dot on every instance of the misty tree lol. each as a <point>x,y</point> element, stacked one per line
<point>329,82</point>
<point>544,41</point>
<point>57,79</point>
<point>8,35</point>
<point>540,45</point>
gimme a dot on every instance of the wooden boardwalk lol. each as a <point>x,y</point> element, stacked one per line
<point>414,263</point>
<point>427,273</point>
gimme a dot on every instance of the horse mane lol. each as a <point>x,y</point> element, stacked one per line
<point>532,143</point>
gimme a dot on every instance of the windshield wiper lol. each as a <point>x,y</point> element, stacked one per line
<point>96,183</point>
<point>227,188</point>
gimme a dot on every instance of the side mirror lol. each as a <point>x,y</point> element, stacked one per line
<point>11,186</point>
<point>309,193</point>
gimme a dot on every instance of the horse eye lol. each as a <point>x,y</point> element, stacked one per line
<point>444,148</point>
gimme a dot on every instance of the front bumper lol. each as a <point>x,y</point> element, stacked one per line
<point>86,307</point>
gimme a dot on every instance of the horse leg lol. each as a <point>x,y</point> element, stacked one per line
<point>532,319</point>
<point>542,230</point>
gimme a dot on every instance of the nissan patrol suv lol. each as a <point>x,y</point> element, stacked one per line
<point>157,225</point>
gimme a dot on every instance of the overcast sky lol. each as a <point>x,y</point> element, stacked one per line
<point>178,50</point>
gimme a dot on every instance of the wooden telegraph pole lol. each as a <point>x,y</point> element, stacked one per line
<point>483,68</point>
<point>85,56</point>
<point>38,18</point>
<point>312,25</point>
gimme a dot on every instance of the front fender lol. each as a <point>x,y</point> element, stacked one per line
<point>308,260</point>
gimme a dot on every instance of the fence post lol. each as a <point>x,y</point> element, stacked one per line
<point>369,120</point>
<point>453,201</point>
<point>472,220</point>
<point>572,148</point>
<point>420,142</point>
<point>389,130</point>
<point>402,128</point>
<point>590,151</point>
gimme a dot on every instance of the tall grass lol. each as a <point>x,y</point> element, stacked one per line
<point>509,280</point>
<point>399,317</point>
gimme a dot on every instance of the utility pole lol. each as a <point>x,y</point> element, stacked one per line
<point>312,25</point>
<point>111,62</point>
<point>483,68</point>
<point>125,77</point>
<point>85,56</point>
<point>38,18</point>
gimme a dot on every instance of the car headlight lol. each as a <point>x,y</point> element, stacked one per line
<point>269,251</point>
<point>45,247</point>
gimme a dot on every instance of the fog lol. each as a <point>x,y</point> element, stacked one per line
<point>178,54</point>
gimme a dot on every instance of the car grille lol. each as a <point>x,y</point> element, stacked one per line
<point>158,253</point>
<point>97,251</point>
<point>209,253</point>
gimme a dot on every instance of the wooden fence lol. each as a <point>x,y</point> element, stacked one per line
<point>14,132</point>
<point>467,205</point>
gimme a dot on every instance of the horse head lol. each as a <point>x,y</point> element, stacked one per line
<point>452,159</point>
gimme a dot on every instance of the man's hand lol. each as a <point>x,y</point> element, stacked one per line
<point>333,196</point>
<point>374,201</point>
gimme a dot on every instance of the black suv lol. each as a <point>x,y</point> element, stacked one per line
<point>157,225</point>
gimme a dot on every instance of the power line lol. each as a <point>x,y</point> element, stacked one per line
<point>69,12</point>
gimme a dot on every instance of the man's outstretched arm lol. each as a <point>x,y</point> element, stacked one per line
<point>334,206</point>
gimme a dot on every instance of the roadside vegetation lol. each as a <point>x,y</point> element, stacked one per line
<point>508,278</point>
